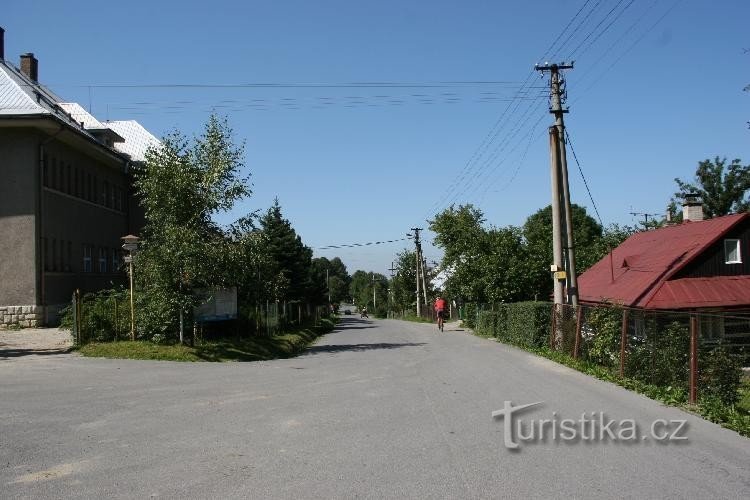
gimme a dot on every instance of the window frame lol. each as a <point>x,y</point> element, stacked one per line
<point>737,246</point>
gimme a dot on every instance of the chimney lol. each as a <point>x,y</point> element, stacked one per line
<point>669,215</point>
<point>30,66</point>
<point>2,44</point>
<point>692,208</point>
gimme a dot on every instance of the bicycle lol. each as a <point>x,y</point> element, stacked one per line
<point>440,322</point>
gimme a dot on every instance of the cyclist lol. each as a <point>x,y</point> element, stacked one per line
<point>439,311</point>
<point>363,313</point>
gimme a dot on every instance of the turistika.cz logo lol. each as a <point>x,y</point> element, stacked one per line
<point>590,427</point>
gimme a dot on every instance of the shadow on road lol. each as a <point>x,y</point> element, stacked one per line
<point>13,352</point>
<point>359,347</point>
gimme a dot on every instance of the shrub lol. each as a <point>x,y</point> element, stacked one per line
<point>720,375</point>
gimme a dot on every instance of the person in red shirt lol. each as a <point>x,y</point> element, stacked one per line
<point>439,311</point>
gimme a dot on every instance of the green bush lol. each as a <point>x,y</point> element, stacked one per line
<point>520,323</point>
<point>720,375</point>
<point>105,316</point>
<point>601,336</point>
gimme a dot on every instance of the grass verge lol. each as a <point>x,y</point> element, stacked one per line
<point>735,417</point>
<point>232,349</point>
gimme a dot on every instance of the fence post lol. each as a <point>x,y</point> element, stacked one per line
<point>579,324</point>
<point>74,304</point>
<point>693,359</point>
<point>114,298</point>
<point>79,322</point>
<point>623,341</point>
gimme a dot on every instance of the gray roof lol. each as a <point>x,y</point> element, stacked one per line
<point>137,138</point>
<point>20,96</point>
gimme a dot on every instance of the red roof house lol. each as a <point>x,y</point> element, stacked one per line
<point>693,265</point>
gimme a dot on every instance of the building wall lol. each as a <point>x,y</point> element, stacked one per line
<point>61,221</point>
<point>19,168</point>
<point>84,215</point>
<point>712,262</point>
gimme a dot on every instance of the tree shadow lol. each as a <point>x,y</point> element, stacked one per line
<point>17,352</point>
<point>332,348</point>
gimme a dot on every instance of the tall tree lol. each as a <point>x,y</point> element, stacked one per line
<point>537,231</point>
<point>404,282</point>
<point>724,189</point>
<point>290,260</point>
<point>181,187</point>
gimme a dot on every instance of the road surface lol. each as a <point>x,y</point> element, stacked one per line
<point>376,409</point>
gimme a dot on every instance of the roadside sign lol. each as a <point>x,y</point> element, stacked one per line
<point>218,304</point>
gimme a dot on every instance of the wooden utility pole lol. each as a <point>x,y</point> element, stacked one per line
<point>560,188</point>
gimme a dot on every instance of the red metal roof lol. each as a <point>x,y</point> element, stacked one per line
<point>719,291</point>
<point>643,262</point>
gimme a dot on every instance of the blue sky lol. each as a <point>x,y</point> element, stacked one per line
<point>657,86</point>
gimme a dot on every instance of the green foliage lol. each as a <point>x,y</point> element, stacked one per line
<point>290,261</point>
<point>524,324</point>
<point>720,375</point>
<point>361,291</point>
<point>231,349</point>
<point>537,233</point>
<point>601,336</point>
<point>181,187</point>
<point>105,316</point>
<point>404,282</point>
<point>724,189</point>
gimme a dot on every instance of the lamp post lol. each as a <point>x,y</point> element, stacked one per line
<point>130,244</point>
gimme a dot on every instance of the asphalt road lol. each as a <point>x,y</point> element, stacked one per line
<point>377,409</point>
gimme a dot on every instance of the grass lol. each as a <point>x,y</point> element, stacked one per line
<point>231,349</point>
<point>735,417</point>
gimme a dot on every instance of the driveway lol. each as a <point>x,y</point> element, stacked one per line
<point>34,342</point>
<point>376,409</point>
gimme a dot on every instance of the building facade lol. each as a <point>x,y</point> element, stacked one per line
<point>65,199</point>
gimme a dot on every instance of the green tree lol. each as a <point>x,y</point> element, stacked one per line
<point>537,232</point>
<point>404,282</point>
<point>290,261</point>
<point>182,186</point>
<point>724,189</point>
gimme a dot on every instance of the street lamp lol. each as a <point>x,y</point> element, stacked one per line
<point>130,244</point>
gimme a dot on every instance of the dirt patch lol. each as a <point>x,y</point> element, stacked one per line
<point>34,342</point>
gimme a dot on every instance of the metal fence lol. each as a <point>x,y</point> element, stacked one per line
<point>676,350</point>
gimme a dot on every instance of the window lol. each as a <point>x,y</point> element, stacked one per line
<point>86,259</point>
<point>69,260</point>
<point>732,251</point>
<point>102,260</point>
<point>115,260</point>
<point>70,179</point>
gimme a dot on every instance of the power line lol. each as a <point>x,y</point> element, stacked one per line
<point>351,245</point>
<point>585,183</point>
<point>274,85</point>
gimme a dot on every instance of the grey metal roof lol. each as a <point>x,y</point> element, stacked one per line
<point>137,138</point>
<point>20,96</point>
<point>80,115</point>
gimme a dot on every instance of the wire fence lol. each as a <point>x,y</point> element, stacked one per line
<point>106,316</point>
<point>676,350</point>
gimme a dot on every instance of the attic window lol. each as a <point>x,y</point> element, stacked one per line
<point>732,251</point>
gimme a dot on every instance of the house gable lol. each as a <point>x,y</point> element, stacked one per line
<point>711,262</point>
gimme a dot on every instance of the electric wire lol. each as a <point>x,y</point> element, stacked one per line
<point>585,182</point>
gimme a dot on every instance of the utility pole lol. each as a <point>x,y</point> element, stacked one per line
<point>374,304</point>
<point>562,220</point>
<point>418,260</point>
<point>328,287</point>
<point>424,284</point>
